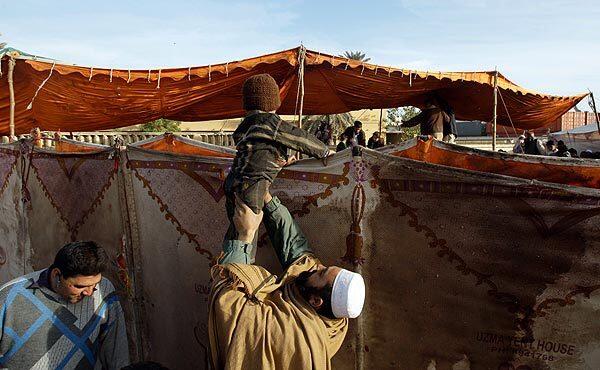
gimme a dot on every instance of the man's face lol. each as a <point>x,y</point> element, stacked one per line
<point>357,129</point>
<point>75,288</point>
<point>322,276</point>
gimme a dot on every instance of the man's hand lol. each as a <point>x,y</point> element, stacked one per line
<point>246,221</point>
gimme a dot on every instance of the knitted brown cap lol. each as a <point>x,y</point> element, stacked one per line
<point>260,92</point>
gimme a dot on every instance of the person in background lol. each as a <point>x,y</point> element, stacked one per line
<point>551,148</point>
<point>346,140</point>
<point>359,134</point>
<point>450,130</point>
<point>342,144</point>
<point>532,145</point>
<point>375,141</point>
<point>562,150</point>
<point>65,316</point>
<point>324,133</point>
<point>431,120</point>
<point>519,147</point>
<point>573,152</point>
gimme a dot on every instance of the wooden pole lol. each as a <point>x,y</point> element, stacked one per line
<point>495,110</point>
<point>302,56</point>
<point>11,91</point>
<point>595,110</point>
<point>380,120</point>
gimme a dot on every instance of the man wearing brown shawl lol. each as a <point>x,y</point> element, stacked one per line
<point>260,321</point>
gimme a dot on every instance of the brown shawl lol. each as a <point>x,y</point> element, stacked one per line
<point>257,321</point>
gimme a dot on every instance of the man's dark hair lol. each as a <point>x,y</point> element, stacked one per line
<point>85,258</point>
<point>357,124</point>
<point>348,133</point>
<point>325,293</point>
<point>146,365</point>
<point>550,143</point>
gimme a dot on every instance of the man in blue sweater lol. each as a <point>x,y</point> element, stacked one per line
<point>64,317</point>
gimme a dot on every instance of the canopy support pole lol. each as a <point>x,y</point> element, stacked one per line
<point>300,93</point>
<point>301,82</point>
<point>380,121</point>
<point>11,91</point>
<point>495,110</point>
<point>595,110</point>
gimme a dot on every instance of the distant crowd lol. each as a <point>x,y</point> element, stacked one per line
<point>529,144</point>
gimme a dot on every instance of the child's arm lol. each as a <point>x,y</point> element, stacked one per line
<point>297,139</point>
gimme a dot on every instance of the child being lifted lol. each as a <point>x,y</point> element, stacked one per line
<point>263,140</point>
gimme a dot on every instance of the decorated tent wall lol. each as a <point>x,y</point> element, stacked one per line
<point>14,248</point>
<point>56,96</point>
<point>54,198</point>
<point>570,171</point>
<point>462,268</point>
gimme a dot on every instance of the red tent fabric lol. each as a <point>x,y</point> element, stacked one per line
<point>55,96</point>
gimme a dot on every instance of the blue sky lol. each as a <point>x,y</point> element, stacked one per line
<point>550,46</point>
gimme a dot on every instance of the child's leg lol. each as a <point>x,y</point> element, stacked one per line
<point>252,195</point>
<point>231,233</point>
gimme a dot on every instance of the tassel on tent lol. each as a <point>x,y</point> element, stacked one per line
<point>91,73</point>
<point>149,71</point>
<point>410,78</point>
<point>209,71</point>
<point>128,75</point>
<point>158,84</point>
<point>110,75</point>
<point>189,73</point>
<point>227,69</point>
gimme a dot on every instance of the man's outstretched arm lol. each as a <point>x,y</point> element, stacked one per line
<point>285,234</point>
<point>246,223</point>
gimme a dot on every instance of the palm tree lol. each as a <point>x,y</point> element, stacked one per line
<point>355,55</point>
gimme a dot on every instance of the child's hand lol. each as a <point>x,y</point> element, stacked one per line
<point>329,154</point>
<point>291,160</point>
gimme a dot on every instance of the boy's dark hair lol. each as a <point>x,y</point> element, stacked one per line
<point>146,365</point>
<point>357,124</point>
<point>84,258</point>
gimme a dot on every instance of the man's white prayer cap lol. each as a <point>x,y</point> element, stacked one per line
<point>348,294</point>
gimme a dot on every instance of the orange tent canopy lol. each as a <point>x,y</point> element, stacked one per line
<point>75,98</point>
